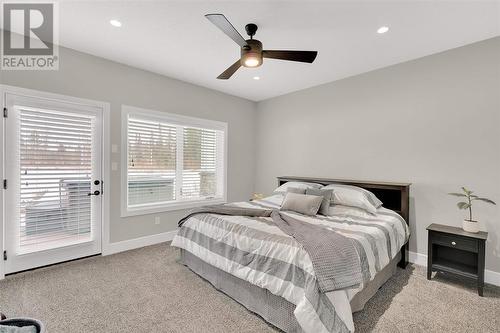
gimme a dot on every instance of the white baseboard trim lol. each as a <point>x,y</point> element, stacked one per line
<point>492,277</point>
<point>136,243</point>
<point>122,246</point>
<point>420,259</point>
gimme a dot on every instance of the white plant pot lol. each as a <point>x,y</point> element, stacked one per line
<point>470,226</point>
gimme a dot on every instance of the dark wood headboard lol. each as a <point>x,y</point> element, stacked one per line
<point>394,196</point>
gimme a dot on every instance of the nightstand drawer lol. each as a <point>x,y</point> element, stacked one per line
<point>454,241</point>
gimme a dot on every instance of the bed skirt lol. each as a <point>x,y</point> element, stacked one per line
<point>272,308</point>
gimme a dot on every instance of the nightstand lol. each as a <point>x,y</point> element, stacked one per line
<point>453,250</point>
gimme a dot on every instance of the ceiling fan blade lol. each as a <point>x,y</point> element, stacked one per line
<point>223,24</point>
<point>302,56</point>
<point>230,71</point>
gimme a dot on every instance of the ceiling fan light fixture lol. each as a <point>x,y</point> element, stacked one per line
<point>251,59</point>
<point>252,62</point>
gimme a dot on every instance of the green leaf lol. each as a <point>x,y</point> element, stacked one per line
<point>485,200</point>
<point>463,205</point>
<point>466,191</point>
<point>457,194</point>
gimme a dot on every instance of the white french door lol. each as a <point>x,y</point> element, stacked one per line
<point>52,167</point>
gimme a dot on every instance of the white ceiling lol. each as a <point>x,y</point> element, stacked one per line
<point>173,38</point>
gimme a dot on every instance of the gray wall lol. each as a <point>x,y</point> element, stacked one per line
<point>434,122</point>
<point>85,76</point>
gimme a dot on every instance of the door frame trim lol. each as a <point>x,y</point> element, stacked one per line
<point>105,152</point>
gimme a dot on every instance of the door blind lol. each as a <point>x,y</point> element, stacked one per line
<point>170,163</point>
<point>55,159</point>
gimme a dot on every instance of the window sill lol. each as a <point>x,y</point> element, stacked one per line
<point>169,207</point>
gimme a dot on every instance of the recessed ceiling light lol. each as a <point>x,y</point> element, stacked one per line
<point>256,77</point>
<point>383,30</point>
<point>115,23</point>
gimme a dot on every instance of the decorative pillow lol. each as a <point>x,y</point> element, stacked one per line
<point>302,203</point>
<point>354,196</point>
<point>296,190</point>
<point>304,185</point>
<point>327,198</point>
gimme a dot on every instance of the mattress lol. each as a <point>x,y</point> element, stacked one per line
<point>256,251</point>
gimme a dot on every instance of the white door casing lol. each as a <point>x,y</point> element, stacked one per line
<point>48,216</point>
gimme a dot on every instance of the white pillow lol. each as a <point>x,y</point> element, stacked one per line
<point>302,185</point>
<point>354,196</point>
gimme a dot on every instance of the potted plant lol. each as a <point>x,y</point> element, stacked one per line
<point>470,225</point>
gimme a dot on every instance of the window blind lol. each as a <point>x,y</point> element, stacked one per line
<point>55,156</point>
<point>152,149</point>
<point>170,163</point>
<point>199,172</point>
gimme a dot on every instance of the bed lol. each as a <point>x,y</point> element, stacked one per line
<point>269,272</point>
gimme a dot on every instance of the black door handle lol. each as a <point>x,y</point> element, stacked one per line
<point>95,193</point>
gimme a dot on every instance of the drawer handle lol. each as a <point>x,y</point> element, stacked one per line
<point>453,243</point>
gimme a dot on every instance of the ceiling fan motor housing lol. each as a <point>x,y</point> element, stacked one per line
<point>251,29</point>
<point>253,50</point>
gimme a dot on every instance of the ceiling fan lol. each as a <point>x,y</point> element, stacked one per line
<point>252,53</point>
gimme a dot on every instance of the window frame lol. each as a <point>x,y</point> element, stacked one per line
<point>174,119</point>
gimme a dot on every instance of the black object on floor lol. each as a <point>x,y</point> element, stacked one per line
<point>22,322</point>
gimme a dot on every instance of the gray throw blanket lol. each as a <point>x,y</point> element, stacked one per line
<point>334,257</point>
<point>226,210</point>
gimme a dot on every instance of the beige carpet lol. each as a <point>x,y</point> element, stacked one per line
<point>145,290</point>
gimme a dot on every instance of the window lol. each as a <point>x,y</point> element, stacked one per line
<point>171,161</point>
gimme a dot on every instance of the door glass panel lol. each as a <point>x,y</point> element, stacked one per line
<point>55,158</point>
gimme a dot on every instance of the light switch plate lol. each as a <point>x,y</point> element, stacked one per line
<point>114,148</point>
<point>114,166</point>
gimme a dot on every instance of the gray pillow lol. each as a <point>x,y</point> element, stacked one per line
<point>302,203</point>
<point>296,190</point>
<point>327,198</point>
